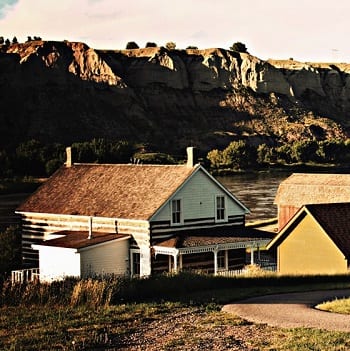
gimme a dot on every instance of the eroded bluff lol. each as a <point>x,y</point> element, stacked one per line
<point>64,91</point>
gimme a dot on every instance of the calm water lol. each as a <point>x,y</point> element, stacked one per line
<point>255,191</point>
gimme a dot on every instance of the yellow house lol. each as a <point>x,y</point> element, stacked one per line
<point>315,241</point>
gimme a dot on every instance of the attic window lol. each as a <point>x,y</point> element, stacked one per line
<point>220,208</point>
<point>176,215</point>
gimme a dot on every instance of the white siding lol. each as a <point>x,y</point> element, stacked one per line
<point>109,258</point>
<point>56,263</point>
<point>198,200</point>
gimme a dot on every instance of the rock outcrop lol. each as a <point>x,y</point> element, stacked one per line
<point>63,91</point>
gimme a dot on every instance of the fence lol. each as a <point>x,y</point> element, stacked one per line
<point>25,275</point>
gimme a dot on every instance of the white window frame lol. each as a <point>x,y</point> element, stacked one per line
<point>132,262</point>
<point>224,219</point>
<point>172,211</point>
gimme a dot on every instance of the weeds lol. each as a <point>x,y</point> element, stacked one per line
<point>103,313</point>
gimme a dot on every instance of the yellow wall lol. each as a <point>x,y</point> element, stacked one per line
<point>308,250</point>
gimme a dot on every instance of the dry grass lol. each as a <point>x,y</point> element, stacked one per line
<point>336,306</point>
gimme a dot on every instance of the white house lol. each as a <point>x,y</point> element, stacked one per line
<point>91,219</point>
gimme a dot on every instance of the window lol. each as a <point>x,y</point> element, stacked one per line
<point>220,208</point>
<point>176,211</point>
<point>221,259</point>
<point>135,263</point>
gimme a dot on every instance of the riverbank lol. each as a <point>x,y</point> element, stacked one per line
<point>288,168</point>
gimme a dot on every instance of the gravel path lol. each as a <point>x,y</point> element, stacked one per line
<point>293,310</point>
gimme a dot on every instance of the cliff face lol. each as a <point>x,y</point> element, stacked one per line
<point>62,91</point>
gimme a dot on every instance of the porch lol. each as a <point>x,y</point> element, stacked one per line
<point>218,255</point>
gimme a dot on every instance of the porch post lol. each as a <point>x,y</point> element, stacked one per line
<point>215,261</point>
<point>175,263</point>
<point>169,263</point>
<point>176,254</point>
<point>226,260</point>
<point>252,255</point>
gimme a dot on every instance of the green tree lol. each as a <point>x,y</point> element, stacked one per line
<point>151,45</point>
<point>10,250</point>
<point>265,154</point>
<point>215,158</point>
<point>14,40</point>
<point>131,45</point>
<point>170,45</point>
<point>7,42</point>
<point>333,151</point>
<point>283,154</point>
<point>239,155</point>
<point>29,158</point>
<point>238,46</point>
<point>2,40</point>
<point>304,151</point>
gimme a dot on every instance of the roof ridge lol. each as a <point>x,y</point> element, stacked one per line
<point>129,164</point>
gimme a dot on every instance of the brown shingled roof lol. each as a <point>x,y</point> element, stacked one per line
<point>79,239</point>
<point>335,220</point>
<point>306,188</point>
<point>215,237</point>
<point>118,191</point>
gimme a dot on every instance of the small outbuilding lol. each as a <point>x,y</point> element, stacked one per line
<point>315,241</point>
<point>82,254</point>
<point>307,188</point>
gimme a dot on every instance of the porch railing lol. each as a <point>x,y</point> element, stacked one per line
<point>268,267</point>
<point>25,275</point>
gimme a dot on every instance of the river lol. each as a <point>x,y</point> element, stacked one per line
<point>257,191</point>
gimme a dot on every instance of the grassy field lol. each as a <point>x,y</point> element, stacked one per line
<point>164,313</point>
<point>336,306</point>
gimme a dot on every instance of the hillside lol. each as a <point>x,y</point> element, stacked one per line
<point>65,92</point>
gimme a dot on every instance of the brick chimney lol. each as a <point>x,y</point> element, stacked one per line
<point>69,157</point>
<point>191,156</point>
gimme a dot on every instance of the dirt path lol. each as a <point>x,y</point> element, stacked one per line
<point>293,310</point>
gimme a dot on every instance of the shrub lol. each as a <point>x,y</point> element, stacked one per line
<point>170,45</point>
<point>238,46</point>
<point>131,45</point>
<point>154,158</point>
<point>151,45</point>
<point>10,250</point>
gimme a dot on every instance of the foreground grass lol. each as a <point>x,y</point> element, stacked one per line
<point>37,328</point>
<point>336,306</point>
<point>181,313</point>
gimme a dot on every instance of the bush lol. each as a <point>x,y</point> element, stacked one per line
<point>154,158</point>
<point>238,46</point>
<point>131,45</point>
<point>170,45</point>
<point>10,251</point>
<point>151,45</point>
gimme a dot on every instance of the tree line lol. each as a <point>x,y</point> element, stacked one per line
<point>240,155</point>
<point>14,40</point>
<point>33,158</point>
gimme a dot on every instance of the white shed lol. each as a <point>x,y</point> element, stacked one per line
<point>76,254</point>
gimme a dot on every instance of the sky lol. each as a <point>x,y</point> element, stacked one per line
<point>305,30</point>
